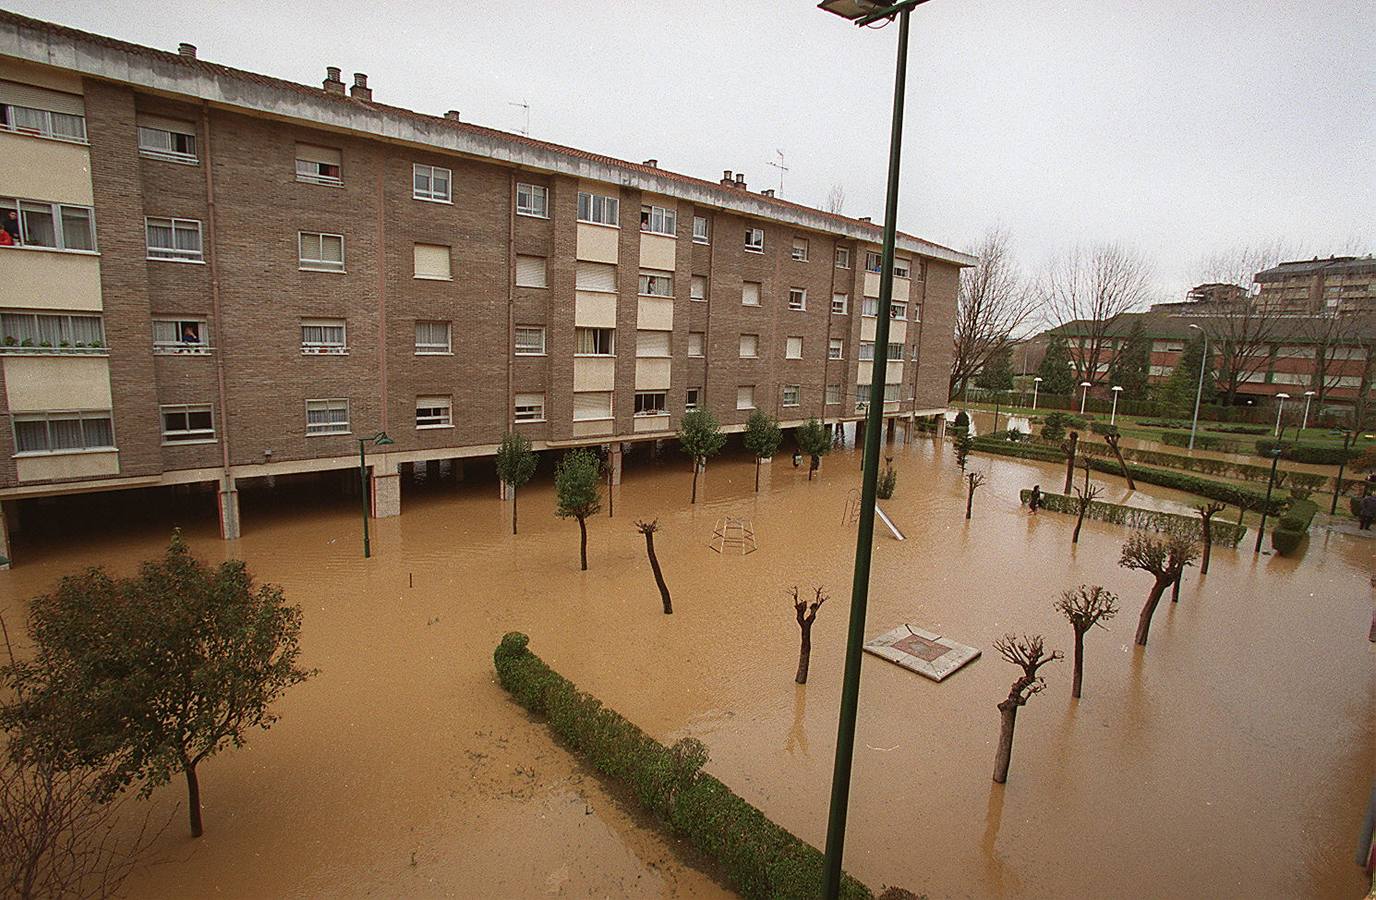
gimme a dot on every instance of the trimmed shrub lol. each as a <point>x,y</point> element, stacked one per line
<point>1201,441</point>
<point>888,481</point>
<point>1232,494</point>
<point>1162,423</point>
<point>1239,429</point>
<point>758,857</point>
<point>1221,533</point>
<point>1293,526</point>
<point>1053,427</point>
<point>1019,450</point>
<point>1286,543</point>
<point>1305,453</point>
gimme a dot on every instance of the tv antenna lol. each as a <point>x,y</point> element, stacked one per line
<point>782,169</point>
<point>526,106</point>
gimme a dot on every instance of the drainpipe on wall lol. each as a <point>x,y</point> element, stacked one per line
<point>229,493</point>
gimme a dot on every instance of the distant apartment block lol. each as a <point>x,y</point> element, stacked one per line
<point>1339,284</point>
<point>214,275</point>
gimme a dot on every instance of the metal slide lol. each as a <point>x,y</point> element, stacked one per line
<point>885,519</point>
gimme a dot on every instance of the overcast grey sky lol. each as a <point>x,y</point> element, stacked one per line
<point>1176,126</point>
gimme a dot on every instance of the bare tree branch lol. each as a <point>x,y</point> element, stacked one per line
<point>992,305</point>
<point>1083,291</point>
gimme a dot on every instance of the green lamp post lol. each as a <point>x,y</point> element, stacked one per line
<point>378,440</point>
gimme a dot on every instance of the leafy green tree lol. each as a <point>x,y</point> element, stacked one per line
<point>578,493</point>
<point>1057,376</point>
<point>147,676</point>
<point>815,442</point>
<point>1131,368</point>
<point>1053,426</point>
<point>515,466</point>
<point>997,374</point>
<point>1178,391</point>
<point>963,444</point>
<point>700,436</point>
<point>762,438</point>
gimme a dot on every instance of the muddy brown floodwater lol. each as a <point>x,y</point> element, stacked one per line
<point>1231,758</point>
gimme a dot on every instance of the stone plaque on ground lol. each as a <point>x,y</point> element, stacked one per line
<point>923,652</point>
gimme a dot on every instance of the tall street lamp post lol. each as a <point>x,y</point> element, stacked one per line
<point>864,13</point>
<point>1084,395</point>
<point>1261,529</point>
<point>1280,408</point>
<point>1304,423</point>
<point>1036,384</point>
<point>1199,391</point>
<point>1348,435</point>
<point>1113,416</point>
<point>379,440</point>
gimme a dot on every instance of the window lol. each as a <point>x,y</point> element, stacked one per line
<point>874,262</point>
<point>750,346</point>
<point>833,395</point>
<point>698,288</point>
<point>181,336</point>
<point>317,252</point>
<point>432,338</point>
<point>799,251</point>
<point>434,412</point>
<point>793,348</point>
<point>318,165</point>
<point>836,349</point>
<point>866,351</point>
<point>530,340</point>
<point>693,399</point>
<point>840,304</point>
<point>63,432</point>
<point>592,405</point>
<point>870,307</point>
<point>431,183</point>
<point>532,200</point>
<point>862,397</point>
<point>432,262</point>
<point>174,239</point>
<point>656,284</point>
<point>592,276</point>
<point>56,226</point>
<point>917,312</point>
<point>594,341</point>
<point>896,352</point>
<point>190,423</point>
<point>37,111</point>
<point>650,403</point>
<point>167,139</point>
<point>797,299</point>
<point>898,310</point>
<point>750,293</point>
<point>323,337</point>
<point>531,272</point>
<point>901,268</point>
<point>792,395</point>
<point>696,343</point>
<point>843,257</point>
<point>702,231</point>
<point>50,332</point>
<point>754,240</point>
<point>327,417</point>
<point>530,407</point>
<point>745,396</point>
<point>598,209</point>
<point>652,344</point>
<point>658,220</point>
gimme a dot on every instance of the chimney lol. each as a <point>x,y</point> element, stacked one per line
<point>186,51</point>
<point>652,163</point>
<point>865,219</point>
<point>740,180</point>
<point>452,115</point>
<point>768,192</point>
<point>360,90</point>
<point>332,83</point>
<point>726,177</point>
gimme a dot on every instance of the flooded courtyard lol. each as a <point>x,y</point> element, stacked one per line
<point>1232,758</point>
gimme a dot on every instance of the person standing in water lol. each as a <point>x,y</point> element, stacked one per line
<point>1034,500</point>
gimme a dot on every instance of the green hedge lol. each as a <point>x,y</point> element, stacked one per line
<point>1304,453</point>
<point>1210,466</point>
<point>1293,526</point>
<point>760,858</point>
<point>1239,429</point>
<point>1021,450</point>
<point>1201,442</point>
<point>1223,533</point>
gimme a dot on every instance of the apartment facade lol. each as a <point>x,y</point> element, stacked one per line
<point>215,275</point>
<point>1337,285</point>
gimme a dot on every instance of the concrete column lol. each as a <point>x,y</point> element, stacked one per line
<point>503,490</point>
<point>614,458</point>
<point>5,510</point>
<point>13,524</point>
<point>386,490</point>
<point>407,471</point>
<point>456,466</point>
<point>432,470</point>
<point>229,508</point>
<point>940,427</point>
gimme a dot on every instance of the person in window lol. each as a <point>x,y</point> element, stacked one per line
<point>10,222</point>
<point>190,334</point>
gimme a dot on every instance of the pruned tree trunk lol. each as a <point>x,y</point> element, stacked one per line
<point>649,529</point>
<point>1175,586</point>
<point>969,500</point>
<point>806,614</point>
<point>1070,461</point>
<point>804,651</point>
<point>1149,608</point>
<point>512,488</point>
<point>757,474</point>
<point>1079,663</point>
<point>813,465</point>
<point>1079,522</point>
<point>583,543</point>
<point>193,799</point>
<point>1008,716</point>
<point>1112,441</point>
<point>696,468</point>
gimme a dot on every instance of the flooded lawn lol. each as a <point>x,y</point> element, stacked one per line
<point>1232,758</point>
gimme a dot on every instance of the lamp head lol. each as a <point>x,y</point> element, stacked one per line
<point>1282,396</point>
<point>382,440</point>
<point>1037,379</point>
<point>1085,384</point>
<point>1117,388</point>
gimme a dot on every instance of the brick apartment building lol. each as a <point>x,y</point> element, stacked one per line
<point>1339,284</point>
<point>214,275</point>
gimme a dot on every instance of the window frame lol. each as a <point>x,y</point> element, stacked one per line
<point>867,304</point>
<point>516,406</point>
<point>651,278</point>
<point>430,195</point>
<point>531,209</point>
<point>660,409</point>
<point>426,349</point>
<point>741,387</point>
<point>691,402</point>
<point>320,178</point>
<point>610,333</point>
<point>415,273</point>
<point>741,347</point>
<point>56,212</point>
<point>179,346</point>
<point>668,220</point>
<point>842,253</point>
<point>47,417</point>
<point>611,407</point>
<point>904,266</point>
<point>516,340</point>
<point>14,345</point>
<point>438,402</point>
<point>874,262</point>
<point>333,432</point>
<point>187,435</point>
<point>845,305</point>
<point>836,348</point>
<point>182,157</point>
<point>800,254</point>
<point>797,390</point>
<point>797,299</point>
<point>898,310</point>
<point>752,246</point>
<point>832,390</point>
<point>693,282</point>
<point>759,294</point>
<point>324,347</point>
<point>305,264</point>
<point>609,206</point>
<point>46,132</point>
<point>172,254</point>
<point>702,344</point>
<point>704,236</point>
<point>788,346</point>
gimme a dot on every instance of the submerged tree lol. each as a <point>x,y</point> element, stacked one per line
<point>815,442</point>
<point>806,613</point>
<point>515,466</point>
<point>578,494</point>
<point>1165,558</point>
<point>1112,436</point>
<point>1207,511</point>
<point>648,529</point>
<point>962,444</point>
<point>887,482</point>
<point>762,438</point>
<point>1083,498</point>
<point>1069,447</point>
<point>1085,607</point>
<point>1029,654</point>
<point>148,676</point>
<point>975,479</point>
<point>700,436</point>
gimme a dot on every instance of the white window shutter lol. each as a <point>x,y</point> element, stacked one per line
<point>530,271</point>
<point>596,277</point>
